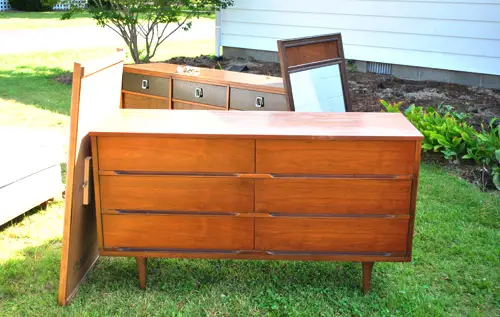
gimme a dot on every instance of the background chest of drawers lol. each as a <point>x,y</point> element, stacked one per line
<point>161,86</point>
<point>256,185</point>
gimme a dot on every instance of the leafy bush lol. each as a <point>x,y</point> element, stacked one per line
<point>447,132</point>
<point>33,5</point>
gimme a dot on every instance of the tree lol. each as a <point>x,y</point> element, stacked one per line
<point>152,21</point>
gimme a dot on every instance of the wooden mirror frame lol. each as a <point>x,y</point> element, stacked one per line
<point>324,50</point>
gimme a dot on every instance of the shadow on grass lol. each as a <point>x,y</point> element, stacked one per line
<point>36,86</point>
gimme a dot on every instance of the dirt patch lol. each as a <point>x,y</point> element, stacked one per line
<point>65,78</point>
<point>366,88</point>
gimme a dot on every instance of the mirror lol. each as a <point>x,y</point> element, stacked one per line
<point>318,90</point>
<point>314,74</point>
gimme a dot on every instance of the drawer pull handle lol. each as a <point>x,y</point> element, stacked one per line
<point>198,92</point>
<point>259,102</point>
<point>145,84</point>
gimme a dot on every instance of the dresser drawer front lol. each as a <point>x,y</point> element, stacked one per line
<point>156,86</point>
<point>132,101</point>
<point>333,196</point>
<point>186,106</point>
<point>211,94</point>
<point>177,232</point>
<point>335,157</point>
<point>176,155</point>
<point>177,193</point>
<point>356,235</point>
<point>247,100</point>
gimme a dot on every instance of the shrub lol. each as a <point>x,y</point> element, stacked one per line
<point>33,5</point>
<point>447,132</point>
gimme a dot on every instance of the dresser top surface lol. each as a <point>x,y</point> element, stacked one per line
<point>253,124</point>
<point>222,77</point>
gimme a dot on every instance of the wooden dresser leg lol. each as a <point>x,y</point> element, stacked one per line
<point>141,268</point>
<point>367,276</point>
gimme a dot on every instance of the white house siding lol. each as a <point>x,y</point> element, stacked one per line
<point>459,35</point>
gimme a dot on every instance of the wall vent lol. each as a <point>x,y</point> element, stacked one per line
<point>379,68</point>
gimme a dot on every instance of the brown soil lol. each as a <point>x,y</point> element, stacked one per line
<point>367,88</point>
<point>65,78</point>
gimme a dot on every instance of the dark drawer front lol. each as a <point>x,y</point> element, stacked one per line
<point>249,100</point>
<point>209,94</point>
<point>156,86</point>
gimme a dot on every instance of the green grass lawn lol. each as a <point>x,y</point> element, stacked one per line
<point>455,271</point>
<point>14,20</point>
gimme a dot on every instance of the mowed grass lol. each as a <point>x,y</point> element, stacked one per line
<point>16,20</point>
<point>455,271</point>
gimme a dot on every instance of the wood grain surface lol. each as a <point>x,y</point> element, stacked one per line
<point>335,157</point>
<point>176,155</point>
<point>184,232</point>
<point>333,196</point>
<point>177,193</point>
<point>331,235</point>
<point>140,101</point>
<point>259,124</point>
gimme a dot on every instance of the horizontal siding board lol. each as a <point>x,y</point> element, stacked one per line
<point>445,34</point>
<point>453,28</point>
<point>452,45</point>
<point>409,9</point>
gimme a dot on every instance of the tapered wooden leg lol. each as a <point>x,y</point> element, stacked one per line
<point>367,276</point>
<point>141,269</point>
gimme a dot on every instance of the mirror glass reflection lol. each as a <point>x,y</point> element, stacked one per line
<point>318,90</point>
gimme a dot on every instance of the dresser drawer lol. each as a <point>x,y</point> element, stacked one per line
<point>186,106</point>
<point>356,235</point>
<point>333,196</point>
<point>249,100</point>
<point>175,155</point>
<point>132,101</point>
<point>177,193</point>
<point>157,86</point>
<point>208,94</point>
<point>177,232</point>
<point>335,157</point>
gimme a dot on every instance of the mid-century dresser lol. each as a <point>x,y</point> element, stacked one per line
<point>169,86</point>
<point>256,185</point>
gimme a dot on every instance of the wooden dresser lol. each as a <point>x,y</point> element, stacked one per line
<point>161,86</point>
<point>256,185</point>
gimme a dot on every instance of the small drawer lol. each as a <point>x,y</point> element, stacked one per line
<point>157,86</point>
<point>333,196</point>
<point>149,154</point>
<point>325,235</point>
<point>260,101</point>
<point>177,193</point>
<point>178,232</point>
<point>200,93</point>
<point>133,101</point>
<point>335,157</point>
<point>177,105</point>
